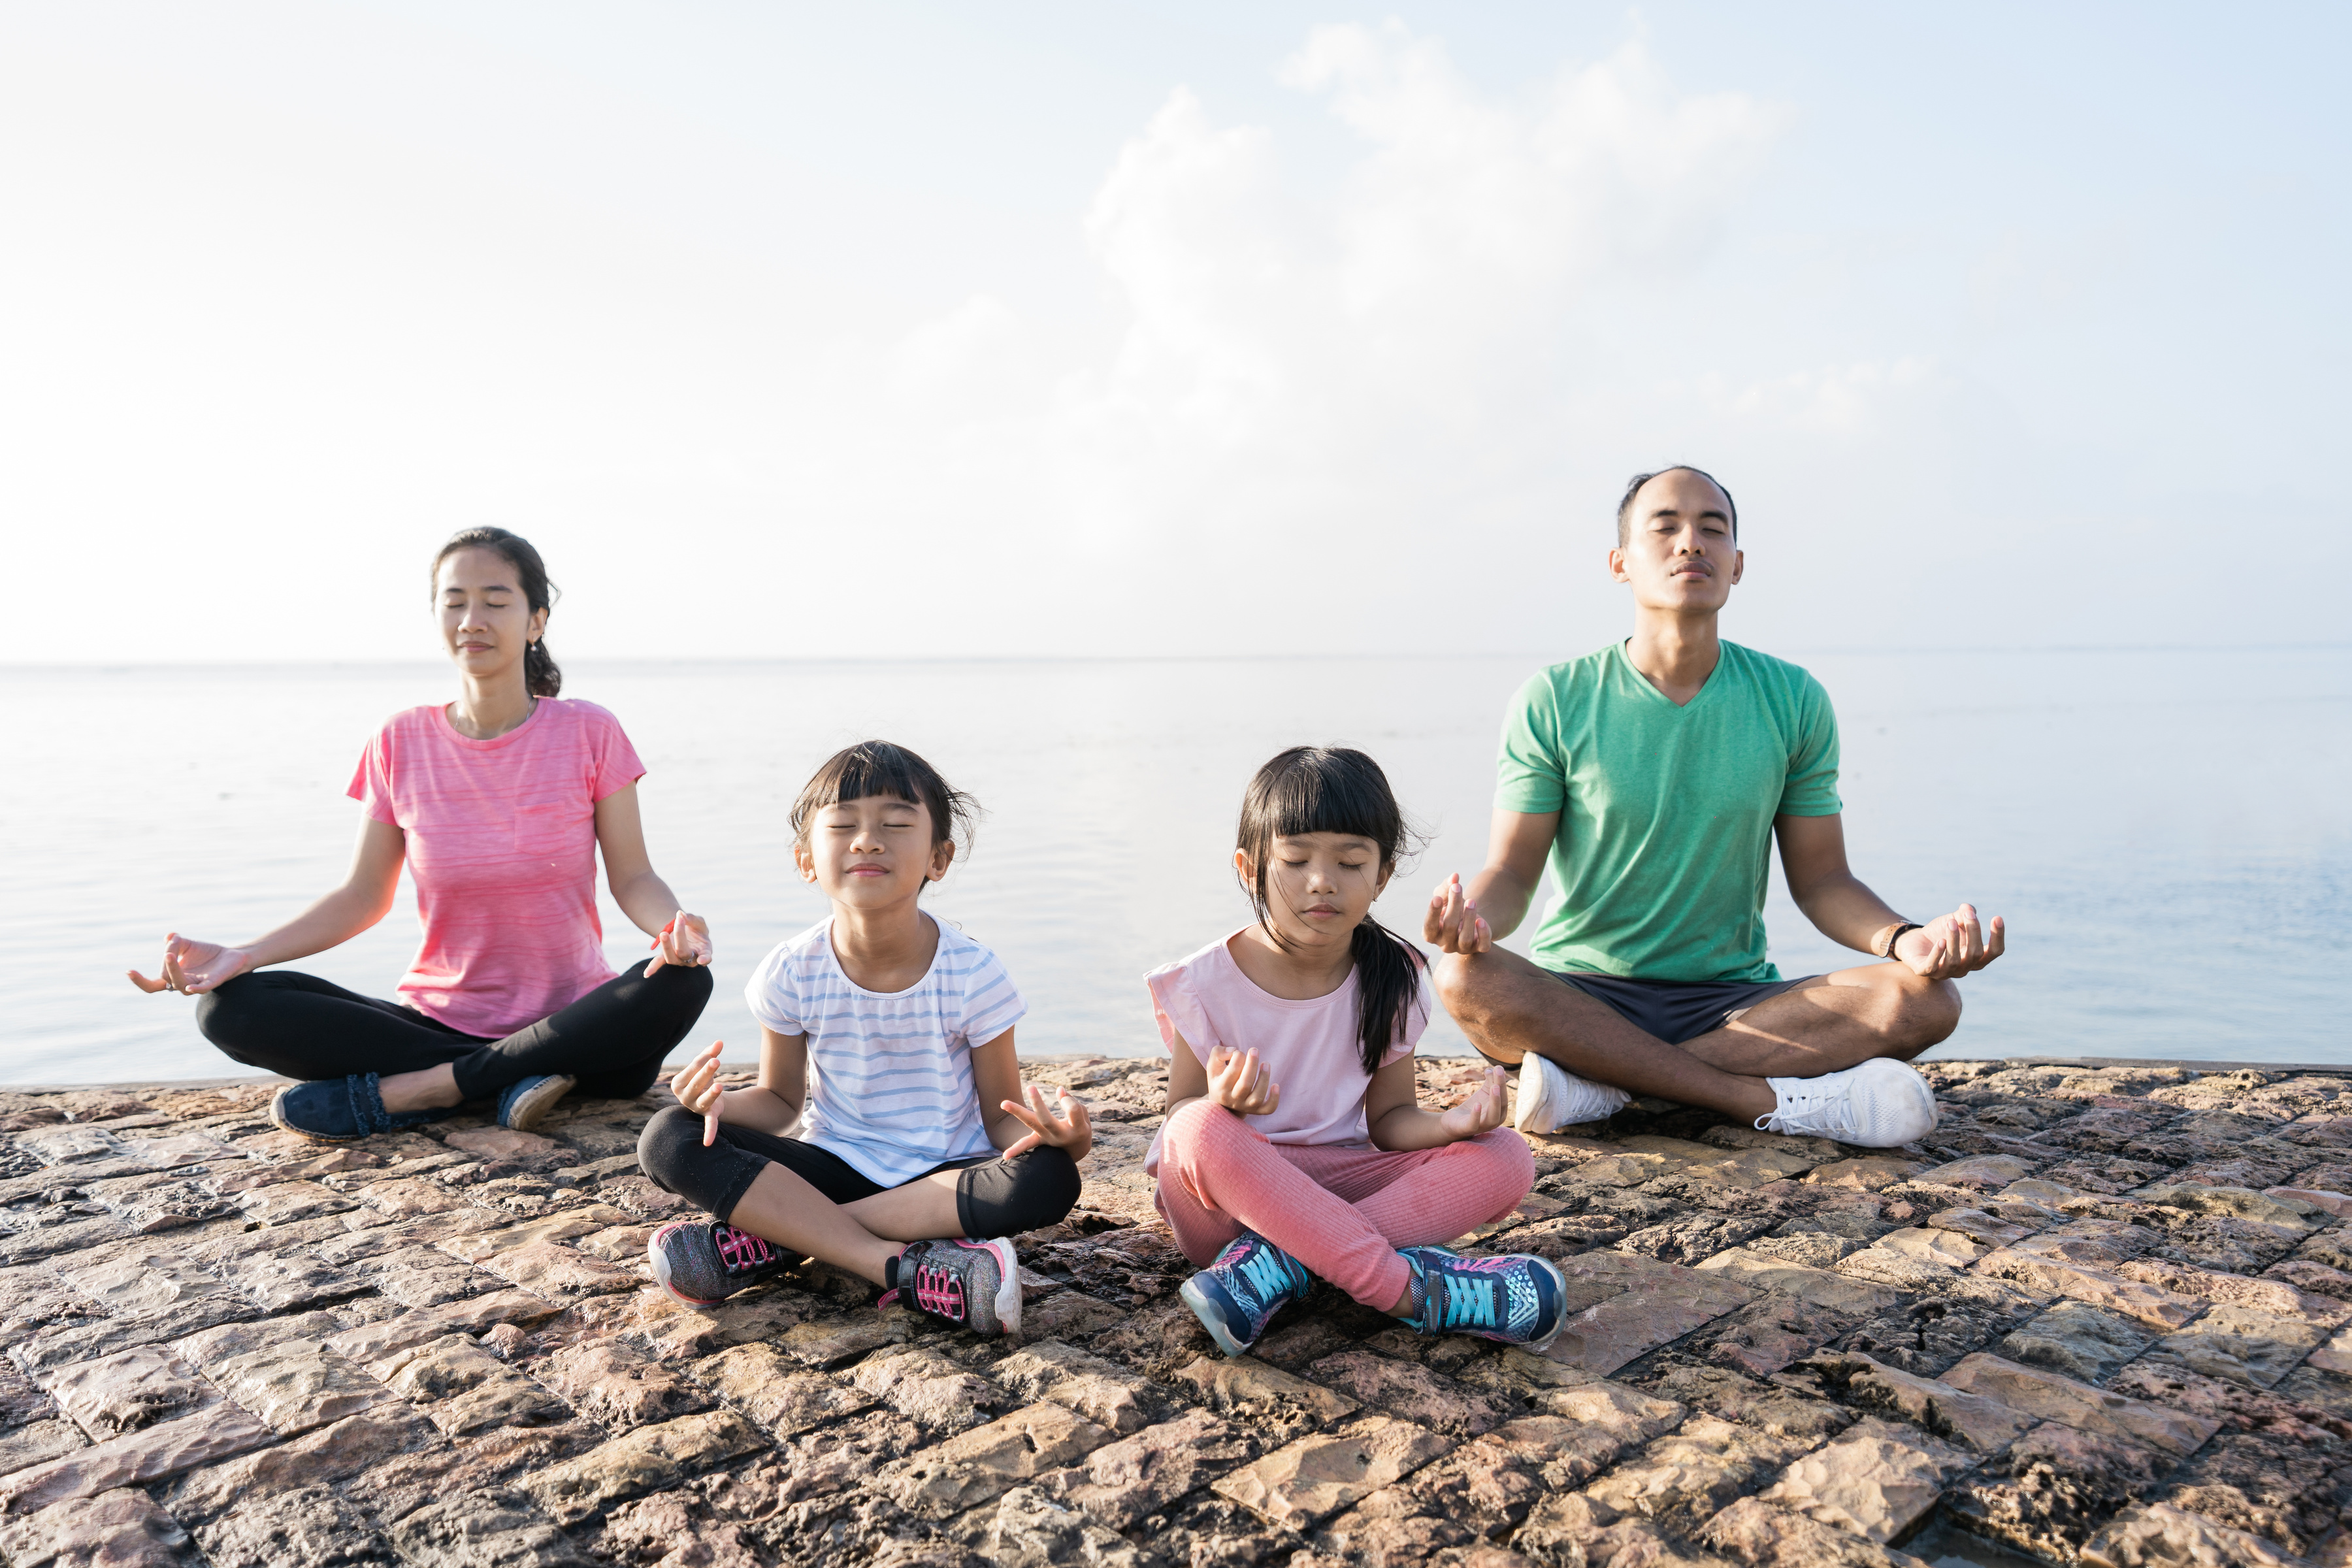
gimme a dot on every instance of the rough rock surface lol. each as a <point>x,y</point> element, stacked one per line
<point>2102,1315</point>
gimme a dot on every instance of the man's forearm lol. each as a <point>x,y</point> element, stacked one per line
<point>1845,911</point>
<point>1502,897</point>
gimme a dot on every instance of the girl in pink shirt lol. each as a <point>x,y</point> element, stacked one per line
<point>497,803</point>
<point>1294,1145</point>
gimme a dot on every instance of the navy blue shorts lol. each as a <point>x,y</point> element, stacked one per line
<point>1673,1010</point>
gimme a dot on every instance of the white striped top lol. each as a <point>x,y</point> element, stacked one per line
<point>890,1086</point>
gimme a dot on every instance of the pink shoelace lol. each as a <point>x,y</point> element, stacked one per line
<point>938,1292</point>
<point>740,1249</point>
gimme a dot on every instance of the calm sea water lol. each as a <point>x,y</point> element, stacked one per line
<point>2164,830</point>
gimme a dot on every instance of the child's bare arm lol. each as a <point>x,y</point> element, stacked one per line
<point>1019,1120</point>
<point>768,1106</point>
<point>1232,1079</point>
<point>1393,1112</point>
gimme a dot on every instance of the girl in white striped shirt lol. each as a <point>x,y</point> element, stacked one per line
<point>920,1150</point>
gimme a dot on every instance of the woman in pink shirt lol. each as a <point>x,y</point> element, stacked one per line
<point>498,802</point>
<point>1295,1145</point>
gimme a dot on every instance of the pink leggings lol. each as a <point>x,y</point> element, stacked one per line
<point>1342,1212</point>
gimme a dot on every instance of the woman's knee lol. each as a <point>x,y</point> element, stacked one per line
<point>669,1139</point>
<point>223,1013</point>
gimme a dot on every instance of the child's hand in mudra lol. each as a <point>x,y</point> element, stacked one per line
<point>1070,1131</point>
<point>697,1088</point>
<point>1238,1083</point>
<point>1482,1111</point>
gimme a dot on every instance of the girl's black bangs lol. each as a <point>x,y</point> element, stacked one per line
<point>1304,802</point>
<point>871,772</point>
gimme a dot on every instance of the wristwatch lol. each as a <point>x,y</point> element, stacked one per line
<point>1888,950</point>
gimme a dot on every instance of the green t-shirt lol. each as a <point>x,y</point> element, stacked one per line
<point>1665,824</point>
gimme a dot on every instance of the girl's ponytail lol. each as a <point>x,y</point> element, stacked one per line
<point>1387,986</point>
<point>1332,789</point>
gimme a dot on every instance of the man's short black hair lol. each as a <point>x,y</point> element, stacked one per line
<point>1633,487</point>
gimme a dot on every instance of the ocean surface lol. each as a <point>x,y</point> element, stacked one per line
<point>2164,830</point>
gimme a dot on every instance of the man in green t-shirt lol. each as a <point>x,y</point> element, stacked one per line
<point>1654,777</point>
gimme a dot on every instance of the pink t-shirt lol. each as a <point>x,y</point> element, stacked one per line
<point>502,848</point>
<point>1311,1047</point>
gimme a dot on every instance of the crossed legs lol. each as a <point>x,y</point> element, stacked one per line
<point>1509,1006</point>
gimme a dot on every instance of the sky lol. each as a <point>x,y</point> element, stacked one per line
<point>803,332</point>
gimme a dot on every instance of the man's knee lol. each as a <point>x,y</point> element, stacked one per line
<point>1926,1014</point>
<point>667,1140</point>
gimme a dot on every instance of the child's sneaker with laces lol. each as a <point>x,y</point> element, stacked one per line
<point>975,1285</point>
<point>1881,1104</point>
<point>1517,1298</point>
<point>1234,1297</point>
<point>702,1262</point>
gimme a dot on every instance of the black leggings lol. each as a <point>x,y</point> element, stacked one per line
<point>994,1196</point>
<point>613,1040</point>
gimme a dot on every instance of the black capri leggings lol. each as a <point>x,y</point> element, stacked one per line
<point>994,1195</point>
<point>613,1040</point>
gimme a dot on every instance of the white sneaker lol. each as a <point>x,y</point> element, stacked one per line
<point>1551,1097</point>
<point>1881,1104</point>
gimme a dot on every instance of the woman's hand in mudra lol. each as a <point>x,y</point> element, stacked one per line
<point>194,967</point>
<point>684,942</point>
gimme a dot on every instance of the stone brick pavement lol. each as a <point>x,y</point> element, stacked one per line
<point>2102,1316</point>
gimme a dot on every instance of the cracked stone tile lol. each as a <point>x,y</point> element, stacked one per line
<point>1838,1292</point>
<point>1309,1479</point>
<point>929,1389</point>
<point>1878,1479</point>
<point>2033,1392</point>
<point>311,1526</point>
<point>640,1461</point>
<point>617,1383</point>
<point>1069,1315</point>
<point>1122,1484</point>
<point>465,1389</point>
<point>2054,1488</point>
<point>2150,1304</point>
<point>1680,1481</point>
<point>483,1529</point>
<point>2275,1296</point>
<point>1414,1392</point>
<point>486,1461</point>
<point>1773,1406</point>
<point>1960,1419</point>
<point>119,1529</point>
<point>1101,1391</point>
<point>135,1458</point>
<point>2284,1494</point>
<point>1766,1335</point>
<point>2159,1535</point>
<point>129,1391</point>
<point>375,1341</point>
<point>2242,1345</point>
<point>32,1442</point>
<point>1926,1335</point>
<point>778,1392</point>
<point>982,1463</point>
<point>147,1296</point>
<point>330,1454</point>
<point>557,1272</point>
<point>1250,1394</point>
<point>1758,1534</point>
<point>2078,1340</point>
<point>2274,1415</point>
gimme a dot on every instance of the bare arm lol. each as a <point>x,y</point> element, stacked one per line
<point>1467,919</point>
<point>1017,1118</point>
<point>638,888</point>
<point>1812,859</point>
<point>1393,1112</point>
<point>364,898</point>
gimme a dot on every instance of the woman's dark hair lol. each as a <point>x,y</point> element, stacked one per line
<point>541,676</point>
<point>1331,789</point>
<point>878,768</point>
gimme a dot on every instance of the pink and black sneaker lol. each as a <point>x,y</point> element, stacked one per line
<point>702,1262</point>
<point>975,1285</point>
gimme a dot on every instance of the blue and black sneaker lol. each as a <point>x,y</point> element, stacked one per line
<point>1517,1298</point>
<point>1251,1280</point>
